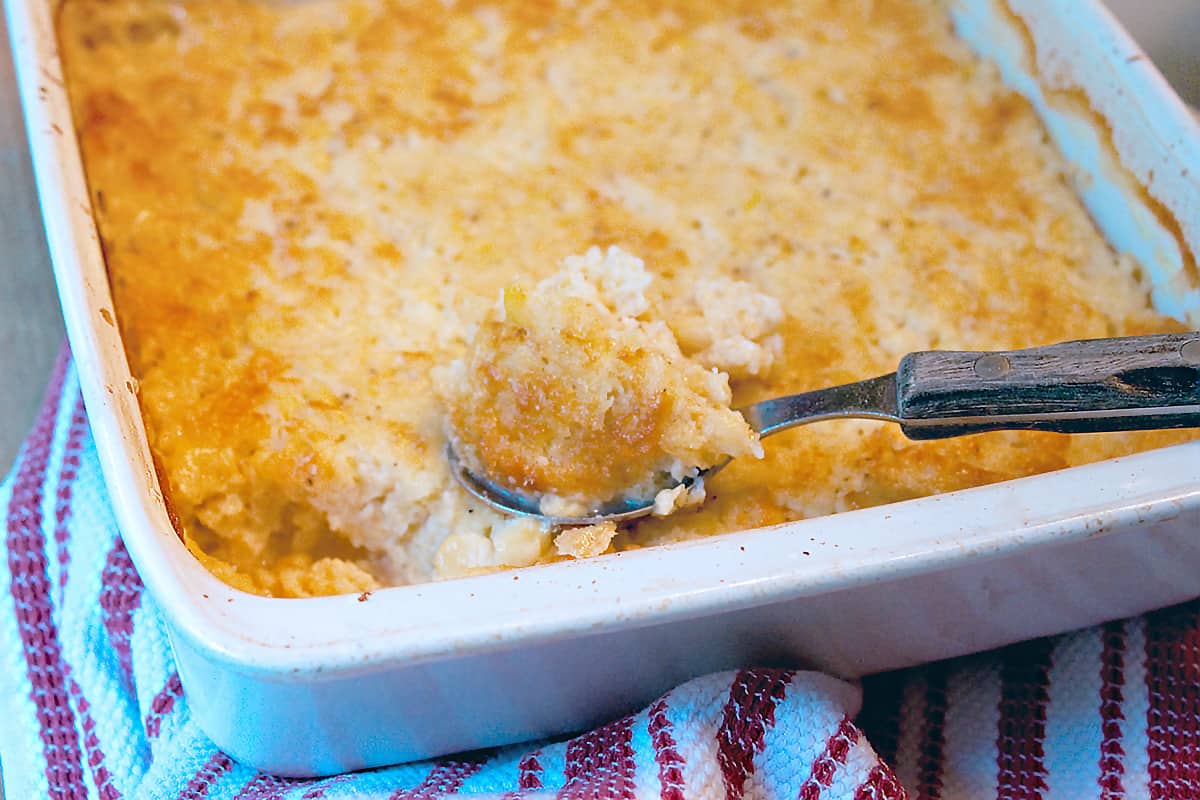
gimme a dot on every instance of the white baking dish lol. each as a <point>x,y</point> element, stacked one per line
<point>424,670</point>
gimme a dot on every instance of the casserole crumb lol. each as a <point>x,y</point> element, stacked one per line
<point>585,541</point>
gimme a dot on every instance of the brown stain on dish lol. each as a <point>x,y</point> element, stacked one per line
<point>50,76</point>
<point>163,488</point>
<point>1021,29</point>
<point>1081,104</point>
<point>1076,100</point>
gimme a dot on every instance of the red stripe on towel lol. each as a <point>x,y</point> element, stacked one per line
<point>529,772</point>
<point>932,754</point>
<point>529,777</point>
<point>101,777</point>
<point>1172,720</point>
<point>30,589</point>
<point>670,762</point>
<point>599,764</point>
<point>257,788</point>
<point>163,704</point>
<point>120,596</point>
<point>881,784</point>
<point>1112,695</point>
<point>269,787</point>
<point>1024,693</point>
<point>825,766</point>
<point>66,481</point>
<point>749,713</point>
<point>443,779</point>
<point>197,788</point>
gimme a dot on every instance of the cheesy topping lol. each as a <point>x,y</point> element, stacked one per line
<point>308,208</point>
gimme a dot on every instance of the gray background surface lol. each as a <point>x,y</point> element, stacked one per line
<point>30,326</point>
<point>30,323</point>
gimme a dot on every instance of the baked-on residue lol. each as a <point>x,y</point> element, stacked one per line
<point>307,208</point>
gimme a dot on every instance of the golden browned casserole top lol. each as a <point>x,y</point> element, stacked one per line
<point>307,209</point>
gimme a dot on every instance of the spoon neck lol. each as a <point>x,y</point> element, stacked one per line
<point>874,398</point>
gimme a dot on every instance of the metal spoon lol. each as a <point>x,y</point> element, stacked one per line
<point>1132,383</point>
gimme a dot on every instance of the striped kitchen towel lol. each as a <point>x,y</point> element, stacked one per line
<point>91,707</point>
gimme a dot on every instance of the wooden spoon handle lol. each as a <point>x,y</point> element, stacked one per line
<point>1132,383</point>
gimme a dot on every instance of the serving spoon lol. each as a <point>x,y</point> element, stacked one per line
<point>1130,383</point>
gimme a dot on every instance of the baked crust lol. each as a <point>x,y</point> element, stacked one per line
<point>307,208</point>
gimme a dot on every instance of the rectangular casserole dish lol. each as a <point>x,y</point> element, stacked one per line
<point>424,670</point>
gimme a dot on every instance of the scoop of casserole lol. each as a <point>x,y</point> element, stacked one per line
<point>569,393</point>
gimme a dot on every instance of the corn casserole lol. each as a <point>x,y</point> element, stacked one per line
<point>318,218</point>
